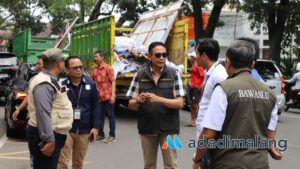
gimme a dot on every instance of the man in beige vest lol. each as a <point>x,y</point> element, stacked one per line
<point>241,109</point>
<point>50,112</point>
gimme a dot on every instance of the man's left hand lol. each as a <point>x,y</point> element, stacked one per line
<point>94,133</point>
<point>151,97</point>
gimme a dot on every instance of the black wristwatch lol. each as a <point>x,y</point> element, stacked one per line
<point>197,161</point>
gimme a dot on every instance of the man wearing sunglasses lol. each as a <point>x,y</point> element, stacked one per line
<point>156,92</point>
<point>83,95</point>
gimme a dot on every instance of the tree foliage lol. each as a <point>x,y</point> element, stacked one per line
<point>59,11</point>
<point>20,15</point>
<point>281,17</point>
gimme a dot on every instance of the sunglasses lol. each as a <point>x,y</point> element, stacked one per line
<point>158,55</point>
<point>77,68</point>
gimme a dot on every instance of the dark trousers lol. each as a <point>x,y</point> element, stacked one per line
<point>108,108</point>
<point>40,161</point>
<point>206,159</point>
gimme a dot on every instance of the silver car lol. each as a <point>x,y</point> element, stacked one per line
<point>272,76</point>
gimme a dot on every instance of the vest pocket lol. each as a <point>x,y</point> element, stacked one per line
<point>169,120</point>
<point>62,115</point>
<point>64,121</point>
<point>145,122</point>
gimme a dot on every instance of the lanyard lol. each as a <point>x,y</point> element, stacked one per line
<point>77,104</point>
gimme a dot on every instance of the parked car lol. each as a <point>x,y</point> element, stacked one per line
<point>272,76</point>
<point>16,92</point>
<point>8,68</point>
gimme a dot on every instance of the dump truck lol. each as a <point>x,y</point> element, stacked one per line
<point>27,48</point>
<point>100,35</point>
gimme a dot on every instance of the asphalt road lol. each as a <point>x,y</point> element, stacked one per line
<point>126,152</point>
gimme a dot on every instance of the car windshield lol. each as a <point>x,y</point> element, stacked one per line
<point>8,61</point>
<point>266,70</point>
<point>24,74</point>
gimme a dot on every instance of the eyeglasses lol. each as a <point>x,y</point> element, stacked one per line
<point>77,68</point>
<point>158,55</point>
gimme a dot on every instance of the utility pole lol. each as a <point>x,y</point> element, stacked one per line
<point>234,32</point>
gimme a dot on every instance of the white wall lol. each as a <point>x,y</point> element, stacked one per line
<point>237,25</point>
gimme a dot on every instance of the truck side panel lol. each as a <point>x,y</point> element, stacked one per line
<point>177,45</point>
<point>91,37</point>
<point>27,48</point>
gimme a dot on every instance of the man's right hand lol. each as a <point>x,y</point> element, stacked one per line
<point>15,115</point>
<point>48,149</point>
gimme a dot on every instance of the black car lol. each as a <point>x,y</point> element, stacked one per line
<point>8,68</point>
<point>16,92</point>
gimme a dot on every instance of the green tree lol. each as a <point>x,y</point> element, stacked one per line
<point>101,7</point>
<point>58,11</point>
<point>21,15</point>
<point>277,15</point>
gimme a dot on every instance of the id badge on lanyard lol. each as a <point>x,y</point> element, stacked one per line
<point>77,113</point>
<point>77,110</point>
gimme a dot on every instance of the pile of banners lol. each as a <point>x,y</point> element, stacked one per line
<point>129,57</point>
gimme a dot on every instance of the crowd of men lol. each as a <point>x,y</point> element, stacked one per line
<point>64,116</point>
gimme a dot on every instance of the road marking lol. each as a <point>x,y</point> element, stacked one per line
<point>13,153</point>
<point>14,158</point>
<point>3,140</point>
<point>292,145</point>
<point>287,115</point>
<point>15,142</point>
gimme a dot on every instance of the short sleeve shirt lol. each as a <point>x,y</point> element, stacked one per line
<point>133,90</point>
<point>197,76</point>
<point>103,77</point>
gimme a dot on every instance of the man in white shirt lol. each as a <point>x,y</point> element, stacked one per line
<point>240,108</point>
<point>207,57</point>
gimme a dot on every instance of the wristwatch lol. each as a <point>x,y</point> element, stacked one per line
<point>196,161</point>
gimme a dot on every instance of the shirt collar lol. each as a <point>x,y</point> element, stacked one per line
<point>51,75</point>
<point>240,71</point>
<point>101,66</point>
<point>82,80</point>
<point>212,68</point>
<point>160,71</point>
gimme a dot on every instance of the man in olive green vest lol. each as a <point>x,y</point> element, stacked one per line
<point>50,112</point>
<point>242,109</point>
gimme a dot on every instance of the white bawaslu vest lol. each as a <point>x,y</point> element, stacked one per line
<point>62,111</point>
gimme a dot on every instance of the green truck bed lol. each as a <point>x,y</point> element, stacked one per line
<point>27,48</point>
